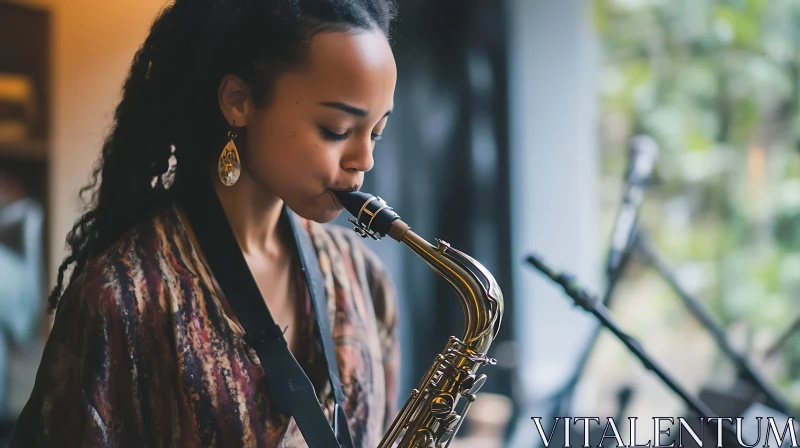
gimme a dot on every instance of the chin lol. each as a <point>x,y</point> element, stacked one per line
<point>327,216</point>
<point>316,213</point>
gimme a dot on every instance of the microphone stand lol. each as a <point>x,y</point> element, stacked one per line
<point>784,338</point>
<point>641,244</point>
<point>642,158</point>
<point>593,305</point>
<point>564,396</point>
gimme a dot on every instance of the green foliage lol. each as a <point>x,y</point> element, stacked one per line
<point>716,83</point>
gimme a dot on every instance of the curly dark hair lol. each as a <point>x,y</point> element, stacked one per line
<point>169,102</point>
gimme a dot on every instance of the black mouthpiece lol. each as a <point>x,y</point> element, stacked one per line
<point>373,215</point>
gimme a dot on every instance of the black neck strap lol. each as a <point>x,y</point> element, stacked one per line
<point>290,390</point>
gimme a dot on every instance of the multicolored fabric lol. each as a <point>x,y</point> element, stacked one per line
<point>144,354</point>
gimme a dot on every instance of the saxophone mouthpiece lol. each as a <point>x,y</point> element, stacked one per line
<point>373,217</point>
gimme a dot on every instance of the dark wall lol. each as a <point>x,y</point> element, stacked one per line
<point>443,163</point>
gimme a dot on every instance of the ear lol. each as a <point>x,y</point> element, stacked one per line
<point>235,100</point>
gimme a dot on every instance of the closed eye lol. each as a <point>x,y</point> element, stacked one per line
<point>332,136</point>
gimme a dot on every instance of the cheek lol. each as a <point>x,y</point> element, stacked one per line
<point>292,156</point>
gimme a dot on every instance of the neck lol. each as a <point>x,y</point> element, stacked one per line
<point>253,214</point>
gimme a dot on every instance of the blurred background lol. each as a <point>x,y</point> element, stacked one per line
<point>511,136</point>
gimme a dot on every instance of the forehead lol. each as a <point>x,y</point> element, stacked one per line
<point>354,67</point>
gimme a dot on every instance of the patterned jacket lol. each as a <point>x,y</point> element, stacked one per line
<point>142,352</point>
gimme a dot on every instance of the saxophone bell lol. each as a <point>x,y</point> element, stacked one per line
<point>431,417</point>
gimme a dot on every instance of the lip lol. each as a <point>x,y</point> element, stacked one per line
<point>336,202</point>
<point>347,190</point>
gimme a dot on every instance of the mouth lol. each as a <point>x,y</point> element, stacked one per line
<point>346,190</point>
<point>333,192</point>
<point>336,202</point>
<point>338,205</point>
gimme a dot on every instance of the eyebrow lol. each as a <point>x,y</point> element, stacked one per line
<point>350,109</point>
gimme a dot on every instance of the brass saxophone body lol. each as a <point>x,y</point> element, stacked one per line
<point>431,415</point>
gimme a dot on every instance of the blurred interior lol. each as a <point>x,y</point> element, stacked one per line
<point>510,137</point>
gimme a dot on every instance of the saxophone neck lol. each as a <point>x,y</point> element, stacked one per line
<point>429,417</point>
<point>399,231</point>
<point>476,288</point>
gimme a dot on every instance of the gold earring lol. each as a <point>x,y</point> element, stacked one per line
<point>229,166</point>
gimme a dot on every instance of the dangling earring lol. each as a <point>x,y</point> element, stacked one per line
<point>229,166</point>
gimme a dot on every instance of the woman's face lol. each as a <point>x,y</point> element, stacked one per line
<point>320,128</point>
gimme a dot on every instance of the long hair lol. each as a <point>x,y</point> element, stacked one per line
<point>169,102</point>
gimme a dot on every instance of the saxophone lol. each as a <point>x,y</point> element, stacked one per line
<point>431,417</point>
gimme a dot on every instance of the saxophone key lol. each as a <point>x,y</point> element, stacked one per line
<point>450,426</point>
<point>422,439</point>
<point>476,386</point>
<point>466,384</point>
<point>442,406</point>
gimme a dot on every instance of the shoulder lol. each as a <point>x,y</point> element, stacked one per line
<point>125,275</point>
<point>101,344</point>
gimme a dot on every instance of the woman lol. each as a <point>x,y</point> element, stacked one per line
<point>238,120</point>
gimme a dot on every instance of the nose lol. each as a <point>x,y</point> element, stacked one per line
<point>358,156</point>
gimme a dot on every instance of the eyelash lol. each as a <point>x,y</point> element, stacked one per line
<point>334,137</point>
